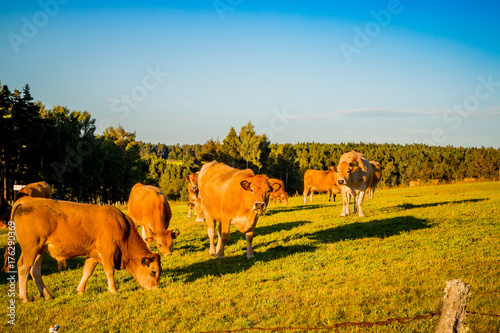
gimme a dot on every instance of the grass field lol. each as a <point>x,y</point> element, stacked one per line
<point>312,269</point>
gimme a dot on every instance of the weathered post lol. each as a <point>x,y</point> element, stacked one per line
<point>456,296</point>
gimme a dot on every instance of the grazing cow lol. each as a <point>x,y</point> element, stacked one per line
<point>321,181</point>
<point>415,184</point>
<point>148,207</point>
<point>38,190</point>
<point>355,176</point>
<point>232,196</point>
<point>435,182</point>
<point>377,175</point>
<point>192,179</point>
<point>280,193</point>
<point>470,180</point>
<point>65,230</point>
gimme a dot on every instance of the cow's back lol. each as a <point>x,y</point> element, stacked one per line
<point>217,184</point>
<point>319,179</point>
<point>68,229</point>
<point>148,202</point>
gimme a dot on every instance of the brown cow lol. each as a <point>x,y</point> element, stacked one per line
<point>321,181</point>
<point>148,207</point>
<point>280,193</point>
<point>38,190</point>
<point>192,179</point>
<point>377,175</point>
<point>232,196</point>
<point>65,229</point>
<point>355,176</point>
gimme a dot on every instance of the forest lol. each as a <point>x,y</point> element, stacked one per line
<point>61,146</point>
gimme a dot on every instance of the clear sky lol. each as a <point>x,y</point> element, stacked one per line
<point>323,71</point>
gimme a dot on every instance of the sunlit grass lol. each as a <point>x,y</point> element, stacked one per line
<point>312,268</point>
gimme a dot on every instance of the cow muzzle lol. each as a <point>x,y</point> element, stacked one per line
<point>259,206</point>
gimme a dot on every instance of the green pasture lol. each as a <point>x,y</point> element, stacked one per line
<point>312,269</point>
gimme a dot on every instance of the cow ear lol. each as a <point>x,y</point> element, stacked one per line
<point>276,186</point>
<point>186,179</point>
<point>149,239</point>
<point>246,185</point>
<point>175,233</point>
<point>146,261</point>
<point>332,168</point>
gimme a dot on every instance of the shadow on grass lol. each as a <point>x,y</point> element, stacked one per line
<point>234,263</point>
<point>425,205</point>
<point>286,209</point>
<point>377,229</point>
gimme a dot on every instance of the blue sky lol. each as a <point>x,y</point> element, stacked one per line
<point>336,71</point>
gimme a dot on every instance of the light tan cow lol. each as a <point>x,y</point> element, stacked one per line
<point>355,177</point>
<point>232,197</point>
<point>415,183</point>
<point>65,230</point>
<point>148,207</point>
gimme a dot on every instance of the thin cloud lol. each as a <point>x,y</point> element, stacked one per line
<point>368,112</point>
<point>389,113</point>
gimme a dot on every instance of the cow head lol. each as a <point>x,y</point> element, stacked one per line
<point>192,179</point>
<point>284,198</point>
<point>164,241</point>
<point>346,169</point>
<point>260,189</point>
<point>148,272</point>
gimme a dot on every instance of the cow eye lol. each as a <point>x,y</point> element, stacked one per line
<point>153,273</point>
<point>251,190</point>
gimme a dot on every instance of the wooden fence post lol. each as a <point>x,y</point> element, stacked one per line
<point>456,296</point>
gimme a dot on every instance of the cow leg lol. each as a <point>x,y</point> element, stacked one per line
<point>360,202</point>
<point>211,233</point>
<point>147,235</point>
<point>88,269</point>
<point>24,264</point>
<point>355,203</point>
<point>345,202</point>
<point>306,192</point>
<point>311,195</point>
<point>61,264</point>
<point>190,211</point>
<point>36,274</point>
<point>249,238</point>
<point>329,193</point>
<point>223,237</point>
<point>110,274</point>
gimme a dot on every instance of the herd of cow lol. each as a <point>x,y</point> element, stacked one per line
<point>220,195</point>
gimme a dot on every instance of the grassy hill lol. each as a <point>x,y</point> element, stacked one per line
<point>312,269</point>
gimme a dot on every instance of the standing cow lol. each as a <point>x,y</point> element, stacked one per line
<point>65,230</point>
<point>148,207</point>
<point>321,181</point>
<point>279,194</point>
<point>377,175</point>
<point>231,196</point>
<point>192,180</point>
<point>355,176</point>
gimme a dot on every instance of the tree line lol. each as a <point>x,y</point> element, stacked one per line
<point>60,146</point>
